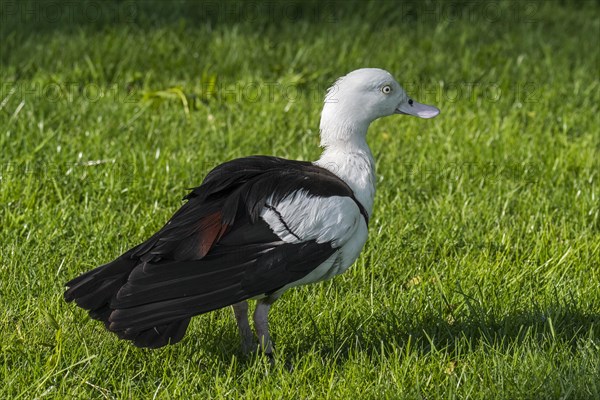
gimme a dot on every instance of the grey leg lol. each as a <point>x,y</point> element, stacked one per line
<point>261,324</point>
<point>240,310</point>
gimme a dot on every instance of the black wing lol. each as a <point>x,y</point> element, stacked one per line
<point>215,251</point>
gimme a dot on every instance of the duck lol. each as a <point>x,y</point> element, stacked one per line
<point>254,228</point>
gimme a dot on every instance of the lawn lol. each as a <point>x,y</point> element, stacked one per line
<point>481,276</point>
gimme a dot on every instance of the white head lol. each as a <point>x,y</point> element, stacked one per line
<point>359,98</point>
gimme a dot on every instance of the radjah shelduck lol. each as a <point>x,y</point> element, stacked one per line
<point>256,227</point>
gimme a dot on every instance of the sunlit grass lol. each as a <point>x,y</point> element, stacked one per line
<point>481,275</point>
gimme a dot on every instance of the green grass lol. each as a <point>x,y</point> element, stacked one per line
<point>481,275</point>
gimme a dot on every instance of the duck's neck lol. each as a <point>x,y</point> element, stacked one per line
<point>347,155</point>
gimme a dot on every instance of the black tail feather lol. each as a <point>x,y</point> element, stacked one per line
<point>161,335</point>
<point>157,336</point>
<point>94,291</point>
<point>85,286</point>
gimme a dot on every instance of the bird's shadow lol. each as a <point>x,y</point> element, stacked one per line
<point>447,333</point>
<point>338,339</point>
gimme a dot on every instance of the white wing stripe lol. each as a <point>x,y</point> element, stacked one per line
<point>282,222</point>
<point>301,217</point>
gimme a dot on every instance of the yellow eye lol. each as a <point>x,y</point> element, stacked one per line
<point>387,89</point>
